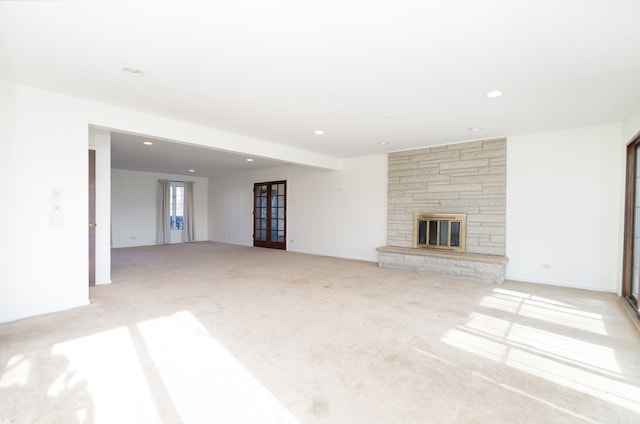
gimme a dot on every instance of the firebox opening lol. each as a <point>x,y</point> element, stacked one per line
<point>440,231</point>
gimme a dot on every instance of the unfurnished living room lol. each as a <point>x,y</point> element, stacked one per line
<point>320,212</point>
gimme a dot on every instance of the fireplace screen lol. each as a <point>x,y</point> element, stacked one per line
<point>440,231</point>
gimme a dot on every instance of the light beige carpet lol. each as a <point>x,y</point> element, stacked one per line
<point>214,333</point>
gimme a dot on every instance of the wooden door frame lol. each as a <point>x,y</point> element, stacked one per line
<point>92,217</point>
<point>627,261</point>
<point>629,220</point>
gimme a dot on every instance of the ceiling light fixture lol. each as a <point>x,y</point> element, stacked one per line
<point>192,170</point>
<point>494,93</point>
<point>382,143</point>
<point>318,132</point>
<point>475,129</point>
<point>249,160</point>
<point>148,143</point>
<point>133,72</point>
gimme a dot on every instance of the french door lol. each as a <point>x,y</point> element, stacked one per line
<point>269,214</point>
<point>631,274</point>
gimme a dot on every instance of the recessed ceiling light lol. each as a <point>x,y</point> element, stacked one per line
<point>494,93</point>
<point>133,72</point>
<point>249,160</point>
<point>474,129</point>
<point>382,143</point>
<point>147,143</point>
<point>318,132</point>
<point>192,170</point>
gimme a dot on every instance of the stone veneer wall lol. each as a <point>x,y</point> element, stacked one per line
<point>458,178</point>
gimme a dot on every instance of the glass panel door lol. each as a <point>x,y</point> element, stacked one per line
<point>269,213</point>
<point>260,212</point>
<point>631,263</point>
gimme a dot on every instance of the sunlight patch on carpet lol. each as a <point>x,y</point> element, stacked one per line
<point>536,337</point>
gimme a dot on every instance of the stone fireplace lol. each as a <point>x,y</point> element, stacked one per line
<point>447,211</point>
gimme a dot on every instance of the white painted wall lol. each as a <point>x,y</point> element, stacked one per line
<point>564,207</point>
<point>43,152</point>
<point>333,213</point>
<point>133,207</point>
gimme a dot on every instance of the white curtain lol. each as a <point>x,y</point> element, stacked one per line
<point>188,230</point>
<point>163,227</point>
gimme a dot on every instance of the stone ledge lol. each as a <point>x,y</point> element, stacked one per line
<point>463,266</point>
<point>438,253</point>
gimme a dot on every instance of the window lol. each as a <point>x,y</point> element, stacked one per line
<point>440,231</point>
<point>176,205</point>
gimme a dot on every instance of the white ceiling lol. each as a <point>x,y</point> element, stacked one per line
<point>408,73</point>
<point>129,152</point>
